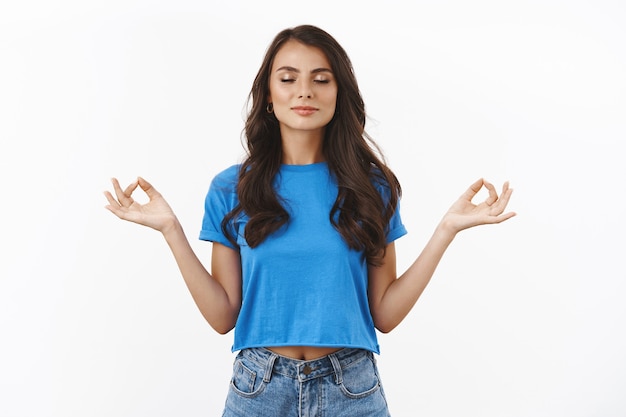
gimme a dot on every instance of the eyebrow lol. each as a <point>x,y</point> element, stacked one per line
<point>292,69</point>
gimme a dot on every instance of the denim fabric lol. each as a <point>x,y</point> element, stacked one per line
<point>342,384</point>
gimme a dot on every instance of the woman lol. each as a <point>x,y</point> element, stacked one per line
<point>303,261</point>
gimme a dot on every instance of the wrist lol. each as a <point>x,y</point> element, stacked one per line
<point>171,228</point>
<point>446,230</point>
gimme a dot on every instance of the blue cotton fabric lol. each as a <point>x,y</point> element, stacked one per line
<point>303,286</point>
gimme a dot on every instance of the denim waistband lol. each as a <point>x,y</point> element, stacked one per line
<point>304,370</point>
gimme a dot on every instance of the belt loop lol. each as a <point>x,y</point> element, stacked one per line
<point>337,368</point>
<point>268,368</point>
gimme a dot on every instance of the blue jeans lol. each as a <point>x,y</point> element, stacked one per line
<point>342,384</point>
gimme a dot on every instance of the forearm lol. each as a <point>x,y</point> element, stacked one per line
<point>208,294</point>
<point>403,293</point>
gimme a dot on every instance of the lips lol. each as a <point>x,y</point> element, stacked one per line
<point>304,110</point>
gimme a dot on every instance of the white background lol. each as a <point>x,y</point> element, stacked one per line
<point>526,318</point>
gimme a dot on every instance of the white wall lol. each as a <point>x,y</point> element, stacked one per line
<point>522,319</point>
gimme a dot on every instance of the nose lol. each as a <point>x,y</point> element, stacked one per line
<point>305,90</point>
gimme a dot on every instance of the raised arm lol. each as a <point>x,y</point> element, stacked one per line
<point>391,298</point>
<point>217,295</point>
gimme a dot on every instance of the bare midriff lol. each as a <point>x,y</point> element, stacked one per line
<point>305,353</point>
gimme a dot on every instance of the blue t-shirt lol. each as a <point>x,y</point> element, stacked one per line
<point>303,286</point>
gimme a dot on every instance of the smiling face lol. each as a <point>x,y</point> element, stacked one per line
<point>302,89</point>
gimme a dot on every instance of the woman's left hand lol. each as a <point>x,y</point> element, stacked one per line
<point>464,214</point>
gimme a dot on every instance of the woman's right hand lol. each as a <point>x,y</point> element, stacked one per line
<point>156,213</point>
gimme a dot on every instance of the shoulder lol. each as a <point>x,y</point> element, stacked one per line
<point>386,183</point>
<point>223,186</point>
<point>227,178</point>
<point>228,174</point>
<point>379,181</point>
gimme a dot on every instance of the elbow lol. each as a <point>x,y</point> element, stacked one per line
<point>385,329</point>
<point>223,327</point>
<point>384,325</point>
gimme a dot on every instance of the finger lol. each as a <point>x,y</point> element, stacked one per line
<point>503,217</point>
<point>112,201</point>
<point>114,206</point>
<point>503,201</point>
<point>130,189</point>
<point>473,190</point>
<point>150,191</point>
<point>123,197</point>
<point>493,195</point>
<point>119,194</point>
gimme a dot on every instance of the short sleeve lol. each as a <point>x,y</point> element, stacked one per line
<point>395,229</point>
<point>220,200</point>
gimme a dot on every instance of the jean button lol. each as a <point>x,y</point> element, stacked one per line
<point>307,370</point>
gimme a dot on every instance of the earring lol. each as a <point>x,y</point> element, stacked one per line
<point>270,108</point>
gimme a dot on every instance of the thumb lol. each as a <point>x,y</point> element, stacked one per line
<point>150,191</point>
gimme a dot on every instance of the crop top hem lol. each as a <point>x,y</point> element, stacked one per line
<point>375,350</point>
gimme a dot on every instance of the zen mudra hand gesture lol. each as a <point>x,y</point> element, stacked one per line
<point>156,213</point>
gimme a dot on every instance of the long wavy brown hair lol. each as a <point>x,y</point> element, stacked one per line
<point>360,213</point>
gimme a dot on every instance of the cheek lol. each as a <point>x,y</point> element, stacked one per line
<point>275,92</point>
<point>280,112</point>
<point>280,98</point>
<point>332,95</point>
<point>331,101</point>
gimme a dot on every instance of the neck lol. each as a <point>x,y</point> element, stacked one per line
<point>302,148</point>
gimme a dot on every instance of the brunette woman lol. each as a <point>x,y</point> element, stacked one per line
<point>303,263</point>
